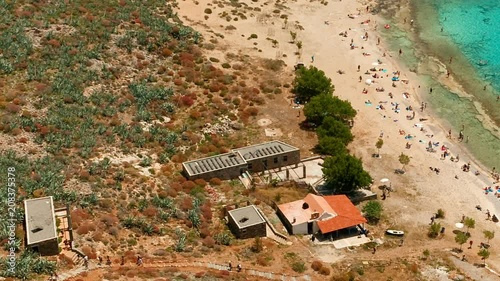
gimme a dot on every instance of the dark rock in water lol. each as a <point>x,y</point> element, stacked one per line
<point>483,62</point>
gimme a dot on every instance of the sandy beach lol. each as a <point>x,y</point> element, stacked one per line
<point>421,191</point>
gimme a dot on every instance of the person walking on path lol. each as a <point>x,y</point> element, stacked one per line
<point>470,244</point>
<point>86,262</point>
<point>100,261</point>
<point>122,261</point>
<point>139,261</point>
<point>230,265</point>
<point>239,267</point>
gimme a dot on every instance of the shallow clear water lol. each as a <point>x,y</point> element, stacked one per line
<point>467,31</point>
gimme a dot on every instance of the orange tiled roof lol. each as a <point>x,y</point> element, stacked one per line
<point>347,214</point>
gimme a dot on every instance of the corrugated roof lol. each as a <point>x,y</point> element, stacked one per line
<point>264,150</point>
<point>347,214</point>
<point>217,162</point>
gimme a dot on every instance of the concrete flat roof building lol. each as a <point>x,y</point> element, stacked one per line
<point>254,158</point>
<point>247,222</point>
<point>246,216</point>
<point>40,220</point>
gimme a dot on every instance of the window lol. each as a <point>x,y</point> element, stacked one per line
<point>275,160</point>
<point>285,158</point>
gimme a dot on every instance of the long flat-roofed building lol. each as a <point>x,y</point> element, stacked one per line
<point>254,158</point>
<point>41,228</point>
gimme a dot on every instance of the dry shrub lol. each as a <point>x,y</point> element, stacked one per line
<point>215,181</point>
<point>54,43</point>
<point>89,252</point>
<point>188,185</point>
<point>166,52</point>
<point>252,111</point>
<point>97,236</point>
<point>37,193</point>
<point>206,211</point>
<point>208,242</point>
<point>316,265</point>
<point>12,108</point>
<point>150,212</point>
<point>187,100</point>
<point>200,182</point>
<point>195,114</point>
<point>324,270</point>
<point>109,220</point>
<point>85,228</point>
<point>163,194</point>
<point>204,232</point>
<point>262,260</point>
<point>176,186</point>
<point>186,204</point>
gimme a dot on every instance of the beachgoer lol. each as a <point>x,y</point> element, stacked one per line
<point>239,267</point>
<point>430,90</point>
<point>484,88</point>
<point>400,52</point>
<point>451,59</point>
<point>470,244</point>
<point>374,250</point>
<point>312,58</point>
<point>359,68</point>
<point>108,261</point>
<point>448,74</point>
<point>411,22</point>
<point>463,258</point>
<point>230,265</point>
<point>433,218</point>
<point>122,261</point>
<point>378,41</point>
<point>441,29</point>
<point>449,133</point>
<point>488,214</point>
<point>86,262</point>
<point>360,78</point>
<point>100,261</point>
<point>139,261</point>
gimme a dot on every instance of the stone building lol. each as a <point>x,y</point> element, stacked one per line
<point>41,228</point>
<point>247,222</point>
<point>254,158</point>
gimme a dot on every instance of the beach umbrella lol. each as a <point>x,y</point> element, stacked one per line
<point>368,81</point>
<point>384,180</point>
<point>459,225</point>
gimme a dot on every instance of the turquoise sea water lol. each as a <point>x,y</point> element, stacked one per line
<point>468,31</point>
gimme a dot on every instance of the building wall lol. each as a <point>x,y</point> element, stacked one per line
<point>271,162</point>
<point>256,230</point>
<point>285,221</point>
<point>223,174</point>
<point>46,248</point>
<point>300,228</point>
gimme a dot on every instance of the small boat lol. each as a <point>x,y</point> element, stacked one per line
<point>483,62</point>
<point>395,232</point>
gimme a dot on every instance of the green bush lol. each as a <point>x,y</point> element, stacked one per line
<point>373,211</point>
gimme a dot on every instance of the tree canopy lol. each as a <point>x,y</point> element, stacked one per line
<point>330,146</point>
<point>334,128</point>
<point>310,82</point>
<point>344,173</point>
<point>324,105</point>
